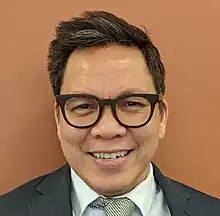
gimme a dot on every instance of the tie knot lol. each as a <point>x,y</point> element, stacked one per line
<point>114,206</point>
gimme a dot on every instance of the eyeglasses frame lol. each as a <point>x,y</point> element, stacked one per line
<point>152,98</point>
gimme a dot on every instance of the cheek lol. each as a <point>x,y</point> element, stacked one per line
<point>147,140</point>
<point>72,143</point>
<point>146,134</point>
<point>71,137</point>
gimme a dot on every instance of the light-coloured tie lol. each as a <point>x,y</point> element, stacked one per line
<point>114,206</point>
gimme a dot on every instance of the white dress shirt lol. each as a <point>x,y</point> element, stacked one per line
<point>148,198</point>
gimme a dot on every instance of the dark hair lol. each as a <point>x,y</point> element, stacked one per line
<point>100,28</point>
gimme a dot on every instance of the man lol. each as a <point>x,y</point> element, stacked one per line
<point>110,113</point>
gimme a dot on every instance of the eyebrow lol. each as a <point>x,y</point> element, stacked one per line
<point>133,90</point>
<point>125,91</point>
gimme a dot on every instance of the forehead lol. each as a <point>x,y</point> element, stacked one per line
<point>106,70</point>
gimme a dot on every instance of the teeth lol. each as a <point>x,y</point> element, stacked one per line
<point>111,155</point>
<point>107,155</point>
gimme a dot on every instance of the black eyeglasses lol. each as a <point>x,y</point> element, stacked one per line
<point>85,110</point>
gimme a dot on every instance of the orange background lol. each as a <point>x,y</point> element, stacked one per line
<point>187,34</point>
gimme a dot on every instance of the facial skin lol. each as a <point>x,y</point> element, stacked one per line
<point>107,72</point>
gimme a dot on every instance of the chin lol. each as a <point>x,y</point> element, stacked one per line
<point>112,186</point>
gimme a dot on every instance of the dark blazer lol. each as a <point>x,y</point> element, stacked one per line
<point>49,195</point>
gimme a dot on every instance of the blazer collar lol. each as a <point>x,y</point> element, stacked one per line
<point>54,195</point>
<point>176,197</point>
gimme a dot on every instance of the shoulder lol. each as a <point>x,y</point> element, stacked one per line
<point>192,191</point>
<point>16,201</point>
<point>181,196</point>
<point>197,200</point>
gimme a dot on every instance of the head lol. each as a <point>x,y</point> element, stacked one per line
<point>108,79</point>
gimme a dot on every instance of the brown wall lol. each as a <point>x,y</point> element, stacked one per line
<point>187,33</point>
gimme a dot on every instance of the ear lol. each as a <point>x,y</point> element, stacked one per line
<point>163,120</point>
<point>57,118</point>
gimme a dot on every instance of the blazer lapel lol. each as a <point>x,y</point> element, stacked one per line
<point>176,198</point>
<point>54,198</point>
<point>53,195</point>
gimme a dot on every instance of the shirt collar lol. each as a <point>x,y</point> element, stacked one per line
<point>82,194</point>
<point>142,195</point>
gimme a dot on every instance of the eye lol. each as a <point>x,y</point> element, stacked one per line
<point>133,103</point>
<point>82,106</point>
<point>131,106</point>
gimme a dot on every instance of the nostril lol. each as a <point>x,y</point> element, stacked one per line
<point>107,131</point>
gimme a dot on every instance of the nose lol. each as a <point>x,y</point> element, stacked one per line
<point>108,127</point>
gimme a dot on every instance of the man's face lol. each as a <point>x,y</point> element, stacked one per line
<point>106,72</point>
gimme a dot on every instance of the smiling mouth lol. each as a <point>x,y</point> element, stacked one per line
<point>110,156</point>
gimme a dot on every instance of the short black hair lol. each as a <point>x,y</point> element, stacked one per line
<point>100,28</point>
